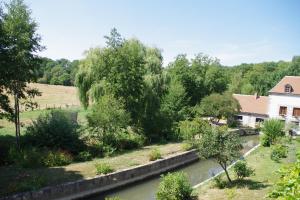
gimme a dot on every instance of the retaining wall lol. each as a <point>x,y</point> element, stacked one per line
<point>87,187</point>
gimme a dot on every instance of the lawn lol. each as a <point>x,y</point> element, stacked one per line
<point>14,179</point>
<point>257,186</point>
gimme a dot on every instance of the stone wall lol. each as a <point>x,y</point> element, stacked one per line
<point>87,187</point>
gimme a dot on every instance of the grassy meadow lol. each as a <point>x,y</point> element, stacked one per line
<point>53,96</point>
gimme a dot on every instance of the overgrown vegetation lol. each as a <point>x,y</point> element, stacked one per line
<point>288,187</point>
<point>175,186</point>
<point>279,151</point>
<point>155,155</point>
<point>103,168</point>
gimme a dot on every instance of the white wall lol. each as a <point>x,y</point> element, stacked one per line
<point>275,101</point>
<point>249,120</point>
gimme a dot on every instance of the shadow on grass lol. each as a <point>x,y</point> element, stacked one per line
<point>15,179</point>
<point>247,183</point>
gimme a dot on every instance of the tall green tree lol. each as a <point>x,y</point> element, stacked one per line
<point>21,43</point>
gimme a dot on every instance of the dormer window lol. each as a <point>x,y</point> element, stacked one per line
<point>288,88</point>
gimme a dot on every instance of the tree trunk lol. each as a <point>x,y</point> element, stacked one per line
<point>226,172</point>
<point>17,121</point>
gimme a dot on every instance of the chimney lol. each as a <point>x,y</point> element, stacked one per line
<point>256,96</point>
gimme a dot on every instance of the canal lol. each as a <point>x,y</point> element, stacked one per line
<point>197,172</point>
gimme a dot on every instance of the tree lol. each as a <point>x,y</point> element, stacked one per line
<point>218,106</point>
<point>221,145</point>
<point>21,45</point>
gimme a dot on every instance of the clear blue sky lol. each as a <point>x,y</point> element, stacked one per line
<point>234,31</point>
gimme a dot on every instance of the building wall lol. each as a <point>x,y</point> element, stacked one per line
<point>250,119</point>
<point>275,101</point>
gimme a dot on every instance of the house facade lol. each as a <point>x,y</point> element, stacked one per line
<point>282,103</point>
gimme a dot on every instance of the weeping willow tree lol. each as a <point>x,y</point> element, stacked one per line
<point>126,69</point>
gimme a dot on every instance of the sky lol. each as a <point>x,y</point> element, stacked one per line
<point>234,31</point>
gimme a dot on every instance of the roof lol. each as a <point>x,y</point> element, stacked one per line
<point>253,103</point>
<point>293,81</point>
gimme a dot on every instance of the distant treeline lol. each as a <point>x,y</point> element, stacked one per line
<point>243,78</point>
<point>57,72</point>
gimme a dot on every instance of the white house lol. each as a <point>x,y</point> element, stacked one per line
<point>282,103</point>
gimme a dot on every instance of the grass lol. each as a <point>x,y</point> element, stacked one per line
<point>53,96</point>
<point>12,177</point>
<point>258,185</point>
<point>8,128</point>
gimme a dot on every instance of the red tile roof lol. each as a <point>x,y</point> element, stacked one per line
<point>253,103</point>
<point>293,81</point>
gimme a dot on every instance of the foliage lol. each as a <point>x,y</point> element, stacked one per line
<point>219,182</point>
<point>155,155</point>
<point>57,158</point>
<point>221,145</point>
<point>112,198</point>
<point>84,156</point>
<point>279,151</point>
<point>28,184</point>
<point>103,168</point>
<point>19,45</point>
<point>272,129</point>
<point>242,170</point>
<point>218,106</point>
<point>27,158</point>
<point>54,129</point>
<point>288,187</point>
<point>174,186</point>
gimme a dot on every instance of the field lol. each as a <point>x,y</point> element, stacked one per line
<point>53,96</point>
<point>257,186</point>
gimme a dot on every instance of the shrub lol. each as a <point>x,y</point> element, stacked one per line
<point>27,158</point>
<point>84,156</point>
<point>187,146</point>
<point>242,170</point>
<point>219,182</point>
<point>288,186</point>
<point>57,158</point>
<point>103,168</point>
<point>6,143</point>
<point>155,155</point>
<point>54,129</point>
<point>279,151</point>
<point>174,186</point>
<point>272,129</point>
<point>127,139</point>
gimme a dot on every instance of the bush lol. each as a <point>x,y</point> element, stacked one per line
<point>174,186</point>
<point>127,139</point>
<point>272,129</point>
<point>279,151</point>
<point>155,155</point>
<point>6,143</point>
<point>288,186</point>
<point>27,158</point>
<point>103,168</point>
<point>242,170</point>
<point>57,158</point>
<point>187,146</point>
<point>84,156</point>
<point>219,182</point>
<point>112,198</point>
<point>54,130</point>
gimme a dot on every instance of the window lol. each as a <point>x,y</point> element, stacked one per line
<point>296,112</point>
<point>282,110</point>
<point>240,118</point>
<point>259,119</point>
<point>288,88</point>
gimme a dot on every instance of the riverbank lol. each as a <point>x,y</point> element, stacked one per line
<point>257,186</point>
<point>14,179</point>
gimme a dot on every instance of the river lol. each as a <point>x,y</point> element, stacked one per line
<point>197,172</point>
